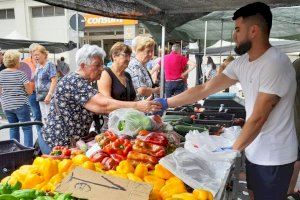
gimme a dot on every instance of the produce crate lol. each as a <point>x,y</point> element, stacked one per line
<point>216,103</point>
<point>13,155</point>
<point>222,119</point>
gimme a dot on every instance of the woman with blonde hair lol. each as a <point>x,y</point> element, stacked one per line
<point>114,81</point>
<point>45,79</point>
<point>141,78</point>
<point>15,88</point>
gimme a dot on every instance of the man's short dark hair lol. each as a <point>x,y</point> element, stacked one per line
<point>257,8</point>
<point>62,58</point>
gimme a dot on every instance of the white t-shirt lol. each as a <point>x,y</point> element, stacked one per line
<point>272,73</point>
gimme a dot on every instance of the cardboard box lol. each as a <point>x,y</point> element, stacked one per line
<point>88,184</point>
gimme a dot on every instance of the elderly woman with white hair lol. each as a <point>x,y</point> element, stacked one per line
<point>75,101</point>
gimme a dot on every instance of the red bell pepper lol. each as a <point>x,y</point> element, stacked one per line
<point>110,135</point>
<point>117,157</point>
<point>156,138</point>
<point>98,156</point>
<point>109,163</point>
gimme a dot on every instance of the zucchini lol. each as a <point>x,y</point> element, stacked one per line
<point>184,129</point>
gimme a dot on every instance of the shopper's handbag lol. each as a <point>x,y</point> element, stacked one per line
<point>41,95</point>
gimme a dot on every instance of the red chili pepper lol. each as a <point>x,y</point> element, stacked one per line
<point>133,155</point>
<point>119,146</point>
<point>156,138</point>
<point>149,148</point>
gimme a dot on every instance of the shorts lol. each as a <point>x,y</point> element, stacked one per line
<point>269,182</point>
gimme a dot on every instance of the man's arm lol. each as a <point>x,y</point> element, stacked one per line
<point>263,106</point>
<point>192,65</point>
<point>218,83</point>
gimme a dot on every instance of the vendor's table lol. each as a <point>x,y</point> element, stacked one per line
<point>231,175</point>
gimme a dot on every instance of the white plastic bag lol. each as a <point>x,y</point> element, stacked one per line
<point>128,121</point>
<point>195,171</point>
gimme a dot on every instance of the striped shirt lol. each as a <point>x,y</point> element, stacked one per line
<point>13,91</point>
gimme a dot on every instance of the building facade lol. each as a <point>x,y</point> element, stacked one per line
<point>33,20</point>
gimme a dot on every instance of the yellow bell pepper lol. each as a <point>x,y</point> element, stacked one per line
<point>162,172</point>
<point>88,165</point>
<point>184,196</point>
<point>38,161</point>
<point>200,194</point>
<point>64,165</point>
<point>40,186</point>
<point>11,180</point>
<point>133,177</point>
<point>141,170</point>
<point>19,175</point>
<point>173,179</point>
<point>156,182</point>
<point>115,173</point>
<point>50,168</point>
<point>56,179</point>
<point>154,195</point>
<point>31,181</point>
<point>172,187</point>
<point>80,159</point>
<point>99,167</point>
<point>125,167</point>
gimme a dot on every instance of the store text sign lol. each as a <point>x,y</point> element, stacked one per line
<point>99,21</point>
<point>88,184</point>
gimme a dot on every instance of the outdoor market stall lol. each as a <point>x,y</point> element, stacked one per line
<point>138,148</point>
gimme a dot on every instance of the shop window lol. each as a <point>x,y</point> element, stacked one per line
<point>7,14</point>
<point>10,13</point>
<point>37,12</point>
<point>47,11</point>
<point>59,11</point>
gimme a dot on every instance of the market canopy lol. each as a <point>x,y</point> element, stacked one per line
<point>169,13</point>
<point>52,47</point>
<point>286,46</point>
<point>286,25</point>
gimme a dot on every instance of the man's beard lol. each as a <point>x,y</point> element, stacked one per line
<point>243,48</point>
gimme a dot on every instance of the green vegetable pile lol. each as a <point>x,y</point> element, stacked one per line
<point>8,192</point>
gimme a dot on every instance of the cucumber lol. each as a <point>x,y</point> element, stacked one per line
<point>184,129</point>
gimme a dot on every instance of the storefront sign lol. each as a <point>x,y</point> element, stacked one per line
<point>99,21</point>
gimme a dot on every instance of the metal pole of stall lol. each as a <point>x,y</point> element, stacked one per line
<point>204,50</point>
<point>162,68</point>
<point>77,29</point>
<point>181,44</point>
<point>221,41</point>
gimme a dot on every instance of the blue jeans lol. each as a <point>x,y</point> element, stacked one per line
<point>45,148</point>
<point>21,114</point>
<point>37,115</point>
<point>174,87</point>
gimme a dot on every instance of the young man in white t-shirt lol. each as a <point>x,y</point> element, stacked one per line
<point>268,82</point>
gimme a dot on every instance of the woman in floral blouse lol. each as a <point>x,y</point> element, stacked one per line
<point>75,101</point>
